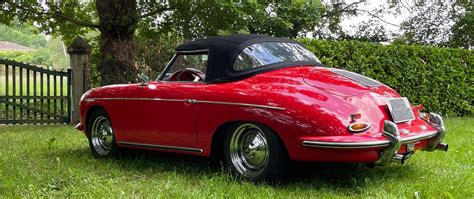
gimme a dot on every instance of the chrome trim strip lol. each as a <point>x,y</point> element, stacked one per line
<point>162,74</point>
<point>362,145</point>
<point>417,138</point>
<point>190,100</point>
<point>192,51</point>
<point>163,147</point>
<point>346,145</point>
<point>240,104</point>
<point>137,99</point>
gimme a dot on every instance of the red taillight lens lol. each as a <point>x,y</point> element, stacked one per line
<point>425,116</point>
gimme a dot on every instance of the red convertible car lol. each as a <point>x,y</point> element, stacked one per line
<point>258,102</point>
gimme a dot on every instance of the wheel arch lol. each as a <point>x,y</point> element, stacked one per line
<point>89,112</point>
<point>217,140</point>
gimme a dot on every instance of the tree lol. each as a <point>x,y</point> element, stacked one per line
<point>429,23</point>
<point>368,31</point>
<point>120,21</point>
<point>47,51</point>
<point>115,20</point>
<point>156,39</point>
<point>463,28</point>
<point>437,23</point>
<point>117,24</point>
<point>209,18</point>
<point>285,19</point>
<point>330,24</point>
<point>22,35</point>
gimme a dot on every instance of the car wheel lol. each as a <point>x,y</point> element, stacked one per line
<point>101,135</point>
<point>254,152</point>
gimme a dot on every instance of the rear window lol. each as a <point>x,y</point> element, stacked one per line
<point>261,54</point>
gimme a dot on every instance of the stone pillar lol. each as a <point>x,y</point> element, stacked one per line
<point>79,52</point>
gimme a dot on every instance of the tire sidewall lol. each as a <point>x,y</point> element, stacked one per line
<point>277,160</point>
<point>114,149</point>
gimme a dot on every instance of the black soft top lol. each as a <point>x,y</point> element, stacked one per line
<point>224,50</point>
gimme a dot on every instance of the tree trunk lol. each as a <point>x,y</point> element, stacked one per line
<point>118,21</point>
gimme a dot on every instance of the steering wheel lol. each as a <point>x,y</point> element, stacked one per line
<point>190,74</point>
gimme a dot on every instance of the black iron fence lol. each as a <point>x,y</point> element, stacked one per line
<point>33,95</point>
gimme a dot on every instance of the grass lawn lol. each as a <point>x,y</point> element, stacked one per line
<point>24,86</point>
<point>55,161</point>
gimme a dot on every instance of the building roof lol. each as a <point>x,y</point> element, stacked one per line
<point>7,46</point>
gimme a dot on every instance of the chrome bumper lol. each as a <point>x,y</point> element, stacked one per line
<point>367,145</point>
<point>391,132</point>
<point>394,141</point>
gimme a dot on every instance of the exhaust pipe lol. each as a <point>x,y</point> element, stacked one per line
<point>442,147</point>
<point>401,158</point>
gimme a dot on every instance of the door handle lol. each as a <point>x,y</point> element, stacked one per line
<point>190,101</point>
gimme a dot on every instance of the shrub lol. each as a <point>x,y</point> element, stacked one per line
<point>441,79</point>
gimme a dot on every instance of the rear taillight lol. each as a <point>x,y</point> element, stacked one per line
<point>358,127</point>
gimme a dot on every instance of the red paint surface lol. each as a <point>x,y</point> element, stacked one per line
<point>317,102</point>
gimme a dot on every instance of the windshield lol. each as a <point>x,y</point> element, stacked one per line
<point>261,54</point>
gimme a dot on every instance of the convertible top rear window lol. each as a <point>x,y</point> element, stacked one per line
<point>234,57</point>
<point>261,54</point>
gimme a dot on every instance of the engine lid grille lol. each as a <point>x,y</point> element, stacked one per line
<point>366,81</point>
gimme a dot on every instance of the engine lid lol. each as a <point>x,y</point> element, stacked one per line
<point>340,82</point>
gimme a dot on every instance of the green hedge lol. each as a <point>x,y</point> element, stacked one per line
<point>441,79</point>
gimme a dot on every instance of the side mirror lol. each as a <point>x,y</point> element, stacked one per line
<point>144,79</point>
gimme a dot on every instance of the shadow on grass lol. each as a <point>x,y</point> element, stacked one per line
<point>311,175</point>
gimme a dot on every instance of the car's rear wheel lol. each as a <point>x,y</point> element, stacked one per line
<point>254,152</point>
<point>101,135</point>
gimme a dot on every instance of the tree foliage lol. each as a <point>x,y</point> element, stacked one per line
<point>210,18</point>
<point>371,30</point>
<point>430,23</point>
<point>433,23</point>
<point>22,35</point>
<point>119,22</point>
<point>463,28</point>
<point>47,51</point>
<point>128,35</point>
<point>65,18</point>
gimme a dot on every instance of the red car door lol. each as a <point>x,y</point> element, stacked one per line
<point>162,115</point>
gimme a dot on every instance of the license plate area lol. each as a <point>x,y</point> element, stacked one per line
<point>410,147</point>
<point>400,109</point>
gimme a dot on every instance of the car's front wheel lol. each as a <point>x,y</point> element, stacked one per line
<point>101,135</point>
<point>254,152</point>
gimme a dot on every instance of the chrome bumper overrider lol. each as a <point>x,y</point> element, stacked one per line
<point>394,142</point>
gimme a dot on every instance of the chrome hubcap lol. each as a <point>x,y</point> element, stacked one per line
<point>249,150</point>
<point>102,135</point>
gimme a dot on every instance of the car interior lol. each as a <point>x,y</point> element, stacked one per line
<point>188,68</point>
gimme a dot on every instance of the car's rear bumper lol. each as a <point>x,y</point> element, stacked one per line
<point>366,144</point>
<point>382,150</point>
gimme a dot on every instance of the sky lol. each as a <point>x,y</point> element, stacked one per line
<point>369,5</point>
